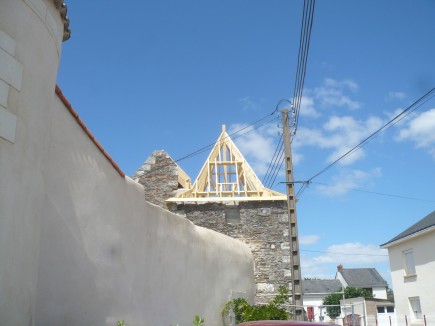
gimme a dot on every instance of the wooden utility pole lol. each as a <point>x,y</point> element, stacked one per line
<point>295,267</point>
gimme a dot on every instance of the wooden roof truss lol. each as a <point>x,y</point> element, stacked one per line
<point>227,175</point>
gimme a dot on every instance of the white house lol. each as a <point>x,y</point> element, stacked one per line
<point>314,293</point>
<point>412,265</point>
<point>365,278</point>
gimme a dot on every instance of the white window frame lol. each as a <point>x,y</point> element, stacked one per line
<point>408,256</point>
<point>415,307</point>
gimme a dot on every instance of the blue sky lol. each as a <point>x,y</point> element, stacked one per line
<point>167,74</point>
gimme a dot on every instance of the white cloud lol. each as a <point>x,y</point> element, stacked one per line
<point>353,253</point>
<point>333,93</point>
<point>395,96</point>
<point>421,130</point>
<point>248,104</point>
<point>307,107</point>
<point>339,134</point>
<point>308,239</point>
<point>348,180</point>
<point>257,146</point>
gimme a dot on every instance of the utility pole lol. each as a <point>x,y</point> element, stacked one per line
<point>295,268</point>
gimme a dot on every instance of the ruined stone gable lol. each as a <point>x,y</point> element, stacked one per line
<point>159,177</point>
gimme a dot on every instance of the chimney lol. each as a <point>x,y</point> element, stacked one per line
<point>340,268</point>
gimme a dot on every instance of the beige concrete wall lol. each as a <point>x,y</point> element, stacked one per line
<point>78,243</point>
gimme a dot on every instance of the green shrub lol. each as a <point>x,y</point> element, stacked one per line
<point>243,311</point>
<point>198,321</point>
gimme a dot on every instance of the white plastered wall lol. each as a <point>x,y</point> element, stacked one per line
<point>78,243</point>
<point>421,285</point>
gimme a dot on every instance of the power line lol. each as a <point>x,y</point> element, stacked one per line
<point>278,168</point>
<point>376,193</point>
<point>274,165</point>
<point>238,134</point>
<point>273,162</point>
<point>342,253</point>
<point>414,106</point>
<point>304,45</point>
<point>211,145</point>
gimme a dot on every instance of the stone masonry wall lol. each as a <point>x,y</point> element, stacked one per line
<point>159,177</point>
<point>263,226</point>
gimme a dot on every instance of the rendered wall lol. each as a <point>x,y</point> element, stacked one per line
<point>422,284</point>
<point>30,40</point>
<point>79,245</point>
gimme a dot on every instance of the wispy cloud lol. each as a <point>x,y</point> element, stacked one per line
<point>308,108</point>
<point>332,93</point>
<point>249,104</point>
<point>336,93</point>
<point>308,239</point>
<point>346,181</point>
<point>351,254</point>
<point>257,145</point>
<point>339,134</point>
<point>421,131</point>
<point>395,96</point>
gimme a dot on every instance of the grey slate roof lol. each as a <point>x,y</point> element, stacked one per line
<point>425,223</point>
<point>320,286</point>
<point>362,277</point>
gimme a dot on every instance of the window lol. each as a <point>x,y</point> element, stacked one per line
<point>381,310</point>
<point>232,215</point>
<point>390,309</point>
<point>409,262</point>
<point>415,307</point>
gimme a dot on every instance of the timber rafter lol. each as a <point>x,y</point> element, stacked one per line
<point>226,176</point>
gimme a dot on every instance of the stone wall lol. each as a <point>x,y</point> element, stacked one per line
<point>158,175</point>
<point>263,226</point>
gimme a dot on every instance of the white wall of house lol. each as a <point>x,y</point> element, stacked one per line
<point>316,301</point>
<point>379,292</point>
<point>420,284</point>
<point>78,243</point>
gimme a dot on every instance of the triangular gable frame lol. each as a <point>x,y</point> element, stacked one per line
<point>226,175</point>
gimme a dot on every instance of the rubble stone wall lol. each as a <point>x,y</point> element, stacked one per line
<point>158,175</point>
<point>263,226</point>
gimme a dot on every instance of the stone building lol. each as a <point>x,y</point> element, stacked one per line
<point>229,198</point>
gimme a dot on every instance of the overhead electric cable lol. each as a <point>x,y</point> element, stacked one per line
<point>211,145</point>
<point>282,159</point>
<point>273,160</point>
<point>274,163</point>
<point>343,253</point>
<point>304,45</point>
<point>376,193</point>
<point>414,106</point>
<point>237,133</point>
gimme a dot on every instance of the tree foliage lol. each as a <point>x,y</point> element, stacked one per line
<point>274,310</point>
<point>334,299</point>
